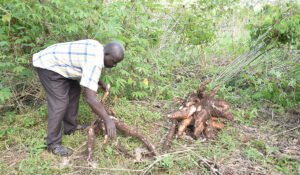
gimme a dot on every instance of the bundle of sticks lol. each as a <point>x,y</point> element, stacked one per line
<point>199,115</point>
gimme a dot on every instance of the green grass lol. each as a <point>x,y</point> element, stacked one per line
<point>22,146</point>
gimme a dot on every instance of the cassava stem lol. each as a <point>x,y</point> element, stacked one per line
<point>201,88</point>
<point>169,137</point>
<point>92,131</point>
<point>105,94</point>
<point>91,143</point>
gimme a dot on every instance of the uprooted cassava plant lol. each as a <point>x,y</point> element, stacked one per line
<point>198,115</point>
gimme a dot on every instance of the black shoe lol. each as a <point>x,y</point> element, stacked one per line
<point>82,127</point>
<point>60,150</point>
<point>78,127</point>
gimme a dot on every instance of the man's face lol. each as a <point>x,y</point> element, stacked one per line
<point>110,61</point>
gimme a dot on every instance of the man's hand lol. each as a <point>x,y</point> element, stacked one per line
<point>110,128</point>
<point>99,109</point>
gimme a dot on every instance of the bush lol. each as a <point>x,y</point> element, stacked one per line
<point>152,51</point>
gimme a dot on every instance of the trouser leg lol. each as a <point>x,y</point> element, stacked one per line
<point>70,119</point>
<point>57,91</point>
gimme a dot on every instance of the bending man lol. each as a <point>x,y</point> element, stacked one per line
<point>62,69</point>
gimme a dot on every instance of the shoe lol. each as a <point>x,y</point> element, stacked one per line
<point>78,127</point>
<point>82,127</point>
<point>60,150</point>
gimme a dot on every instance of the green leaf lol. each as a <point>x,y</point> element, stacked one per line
<point>6,18</point>
<point>5,94</point>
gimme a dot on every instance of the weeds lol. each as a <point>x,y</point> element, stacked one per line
<point>159,65</point>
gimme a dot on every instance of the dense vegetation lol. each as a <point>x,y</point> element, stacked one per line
<point>170,48</point>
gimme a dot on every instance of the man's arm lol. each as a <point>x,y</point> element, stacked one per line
<point>98,108</point>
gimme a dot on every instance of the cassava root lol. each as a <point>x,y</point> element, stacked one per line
<point>98,126</point>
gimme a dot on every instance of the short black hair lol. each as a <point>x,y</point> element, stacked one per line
<point>114,49</point>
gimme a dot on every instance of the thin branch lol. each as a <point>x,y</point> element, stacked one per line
<point>280,133</point>
<point>107,169</point>
<point>161,157</point>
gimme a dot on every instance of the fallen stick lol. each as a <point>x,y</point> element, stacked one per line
<point>285,131</point>
<point>107,169</point>
<point>161,157</point>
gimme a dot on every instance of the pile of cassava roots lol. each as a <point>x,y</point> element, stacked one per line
<point>199,115</point>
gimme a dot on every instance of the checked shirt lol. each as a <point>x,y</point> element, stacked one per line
<point>83,59</point>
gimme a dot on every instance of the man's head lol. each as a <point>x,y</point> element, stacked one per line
<point>113,54</point>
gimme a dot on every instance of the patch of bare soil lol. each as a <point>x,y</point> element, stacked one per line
<point>11,157</point>
<point>271,130</point>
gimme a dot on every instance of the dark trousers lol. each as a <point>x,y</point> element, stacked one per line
<point>63,101</point>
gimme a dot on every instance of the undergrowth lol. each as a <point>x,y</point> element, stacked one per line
<point>158,67</point>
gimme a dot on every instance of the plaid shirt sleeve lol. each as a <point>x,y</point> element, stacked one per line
<point>90,76</point>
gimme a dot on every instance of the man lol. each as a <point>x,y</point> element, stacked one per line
<point>60,67</point>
